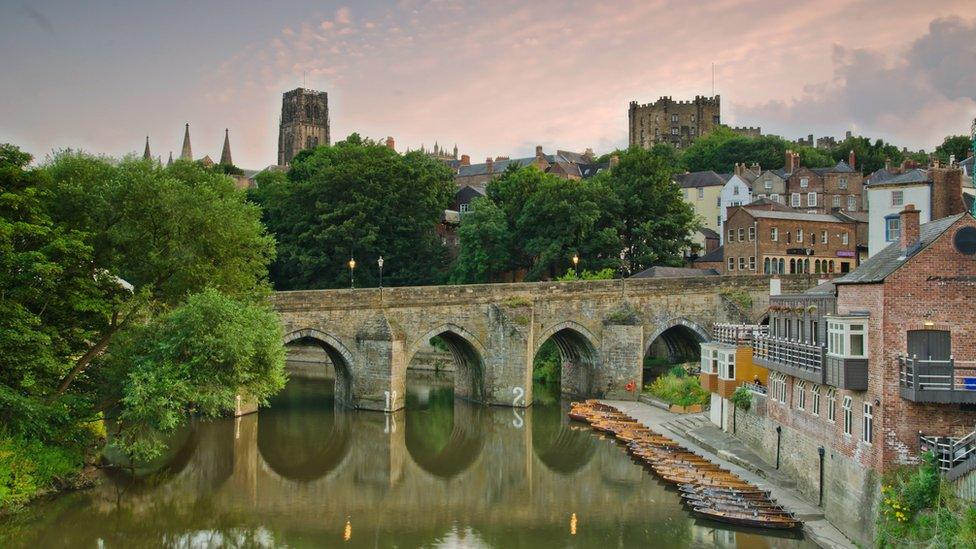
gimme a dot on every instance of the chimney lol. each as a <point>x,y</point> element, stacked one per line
<point>490,165</point>
<point>614,161</point>
<point>850,159</point>
<point>737,170</point>
<point>788,163</point>
<point>589,154</point>
<point>946,192</point>
<point>887,164</point>
<point>465,160</point>
<point>390,144</point>
<point>909,227</point>
<point>538,151</point>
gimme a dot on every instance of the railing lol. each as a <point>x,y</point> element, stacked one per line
<point>789,352</point>
<point>738,334</point>
<point>756,388</point>
<point>950,452</point>
<point>936,375</point>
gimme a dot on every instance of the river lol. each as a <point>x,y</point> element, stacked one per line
<point>442,473</point>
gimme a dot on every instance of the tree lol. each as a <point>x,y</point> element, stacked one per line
<point>647,210</point>
<point>361,200</point>
<point>722,148</point>
<point>960,146</point>
<point>485,244</point>
<point>870,157</point>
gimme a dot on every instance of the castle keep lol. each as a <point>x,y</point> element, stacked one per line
<point>674,122</point>
<point>304,123</point>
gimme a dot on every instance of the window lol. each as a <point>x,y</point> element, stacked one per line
<point>831,405</point>
<point>799,235</point>
<point>842,182</point>
<point>795,200</point>
<point>709,362</point>
<point>836,202</point>
<point>752,263</point>
<point>867,427</point>
<point>814,328</point>
<point>815,397</point>
<point>742,234</point>
<point>811,199</point>
<point>463,208</point>
<point>718,201</point>
<point>845,239</point>
<point>774,197</point>
<point>731,235</point>
<point>852,203</point>
<point>801,394</point>
<point>718,220</point>
<point>726,366</point>
<point>897,198</point>
<point>674,118</point>
<point>892,228</point>
<point>823,237</point>
<point>701,193</point>
<point>735,189</point>
<point>692,118</point>
<point>742,263</point>
<point>848,416</point>
<point>731,263</point>
<point>768,184</point>
<point>804,182</point>
<point>752,234</point>
<point>847,336</point>
<point>774,234</point>
<point>674,131</point>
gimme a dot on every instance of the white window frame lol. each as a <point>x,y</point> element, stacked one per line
<point>823,237</point>
<point>774,197</point>
<point>831,405</point>
<point>848,416</point>
<point>768,184</point>
<point>731,234</point>
<point>845,238</point>
<point>731,263</point>
<point>463,208</point>
<point>742,234</point>
<point>892,228</point>
<point>852,203</point>
<point>752,233</point>
<point>843,332</point>
<point>836,201</point>
<point>774,234</point>
<point>799,235</point>
<point>735,190</point>
<point>811,200</point>
<point>800,388</point>
<point>815,398</point>
<point>842,182</point>
<point>897,198</point>
<point>752,263</point>
<point>867,423</point>
<point>795,200</point>
<point>726,365</point>
<point>804,182</point>
<point>742,263</point>
<point>701,193</point>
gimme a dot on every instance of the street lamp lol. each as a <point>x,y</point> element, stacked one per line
<point>352,273</point>
<point>380,263</point>
<point>576,264</point>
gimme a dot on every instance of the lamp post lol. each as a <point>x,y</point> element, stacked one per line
<point>380,263</point>
<point>352,273</point>
<point>576,265</point>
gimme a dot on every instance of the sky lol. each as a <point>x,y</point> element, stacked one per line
<point>496,78</point>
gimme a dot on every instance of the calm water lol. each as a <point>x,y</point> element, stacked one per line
<point>442,473</point>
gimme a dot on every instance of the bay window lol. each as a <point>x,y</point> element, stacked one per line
<point>847,337</point>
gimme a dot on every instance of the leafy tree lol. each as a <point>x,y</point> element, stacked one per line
<point>646,210</point>
<point>872,156</point>
<point>722,148</point>
<point>485,244</point>
<point>361,200</point>
<point>960,146</point>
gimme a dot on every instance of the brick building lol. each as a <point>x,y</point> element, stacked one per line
<point>674,122</point>
<point>823,190</point>
<point>764,239</point>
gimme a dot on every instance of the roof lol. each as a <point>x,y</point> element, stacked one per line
<point>792,215</point>
<point>726,176</point>
<point>781,173</point>
<point>822,288</point>
<point>911,177</point>
<point>589,170</point>
<point>699,179</point>
<point>565,166</point>
<point>765,202</point>
<point>858,216</point>
<point>674,272</point>
<point>708,233</point>
<point>967,163</point>
<point>575,157</point>
<point>841,167</point>
<point>887,261</point>
<point>468,193</point>
<point>498,166</point>
<point>715,256</point>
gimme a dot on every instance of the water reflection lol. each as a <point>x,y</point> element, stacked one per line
<point>441,473</point>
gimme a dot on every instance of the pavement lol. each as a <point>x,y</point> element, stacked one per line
<point>702,437</point>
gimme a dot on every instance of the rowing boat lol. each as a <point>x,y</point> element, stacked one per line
<point>748,518</point>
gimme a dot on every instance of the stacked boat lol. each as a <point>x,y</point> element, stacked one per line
<point>709,490</point>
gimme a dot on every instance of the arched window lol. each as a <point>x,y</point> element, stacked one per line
<point>782,265</point>
<point>766,269</point>
<point>792,266</point>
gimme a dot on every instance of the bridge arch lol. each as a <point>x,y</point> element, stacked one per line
<point>301,443</point>
<point>468,353</point>
<point>676,340</point>
<point>447,442</point>
<point>340,356</point>
<point>578,353</point>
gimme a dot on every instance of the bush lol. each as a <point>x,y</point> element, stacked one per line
<point>742,398</point>
<point>682,391</point>
<point>678,371</point>
<point>31,468</point>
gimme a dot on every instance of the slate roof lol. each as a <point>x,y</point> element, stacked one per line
<point>574,157</point>
<point>699,179</point>
<point>674,272</point>
<point>589,170</point>
<point>888,260</point>
<point>708,233</point>
<point>880,175</point>
<point>782,173</point>
<point>793,215</point>
<point>911,177</point>
<point>715,256</point>
<point>767,202</point>
<point>827,288</point>
<point>841,167</point>
<point>726,176</point>
<point>501,165</point>
<point>859,216</point>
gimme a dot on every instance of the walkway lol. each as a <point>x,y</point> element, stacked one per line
<point>712,443</point>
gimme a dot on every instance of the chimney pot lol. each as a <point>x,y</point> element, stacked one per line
<point>909,227</point>
<point>538,150</point>
<point>851,159</point>
<point>465,160</point>
<point>490,165</point>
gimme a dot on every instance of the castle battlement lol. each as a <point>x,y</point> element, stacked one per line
<point>667,101</point>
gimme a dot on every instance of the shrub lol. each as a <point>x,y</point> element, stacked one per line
<point>742,398</point>
<point>31,468</point>
<point>682,391</point>
<point>678,371</point>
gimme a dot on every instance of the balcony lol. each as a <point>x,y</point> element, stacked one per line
<point>846,373</point>
<point>725,387</point>
<point>793,358</point>
<point>738,334</point>
<point>940,381</point>
<point>954,456</point>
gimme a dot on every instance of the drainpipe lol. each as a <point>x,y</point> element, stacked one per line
<point>820,452</point>
<point>779,433</point>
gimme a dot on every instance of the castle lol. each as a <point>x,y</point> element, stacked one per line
<point>304,123</point>
<point>675,122</point>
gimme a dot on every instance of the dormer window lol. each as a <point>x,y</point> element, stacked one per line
<point>804,182</point>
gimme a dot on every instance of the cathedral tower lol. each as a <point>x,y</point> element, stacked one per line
<point>304,122</point>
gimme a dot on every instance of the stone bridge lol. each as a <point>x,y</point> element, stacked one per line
<point>603,330</point>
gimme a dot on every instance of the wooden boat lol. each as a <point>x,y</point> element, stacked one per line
<point>748,518</point>
<point>754,493</point>
<point>702,501</point>
<point>703,480</point>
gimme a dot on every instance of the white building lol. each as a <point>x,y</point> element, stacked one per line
<point>737,191</point>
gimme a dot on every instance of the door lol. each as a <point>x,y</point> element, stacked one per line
<point>933,349</point>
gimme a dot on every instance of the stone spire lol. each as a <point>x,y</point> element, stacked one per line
<point>455,151</point>
<point>225,154</point>
<point>187,153</point>
<point>146,155</point>
<point>170,161</point>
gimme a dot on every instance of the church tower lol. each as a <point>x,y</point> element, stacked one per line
<point>187,153</point>
<point>304,122</point>
<point>225,158</point>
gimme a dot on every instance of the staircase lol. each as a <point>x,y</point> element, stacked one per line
<point>955,456</point>
<point>686,423</point>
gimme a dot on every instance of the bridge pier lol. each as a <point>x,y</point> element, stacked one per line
<point>622,354</point>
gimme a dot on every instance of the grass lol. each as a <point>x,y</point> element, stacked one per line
<point>678,389</point>
<point>29,469</point>
<point>920,509</point>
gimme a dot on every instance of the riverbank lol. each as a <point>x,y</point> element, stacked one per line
<point>750,468</point>
<point>32,471</point>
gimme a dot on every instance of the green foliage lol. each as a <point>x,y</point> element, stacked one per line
<point>678,371</point>
<point>547,365</point>
<point>960,146</point>
<point>919,508</point>
<point>486,244</point>
<point>721,149</point>
<point>681,391</point>
<point>625,315</point>
<point>585,274</point>
<point>742,398</point>
<point>356,199</point>
<point>228,169</point>
<point>869,156</point>
<point>741,298</point>
<point>194,359</point>
<point>29,468</point>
